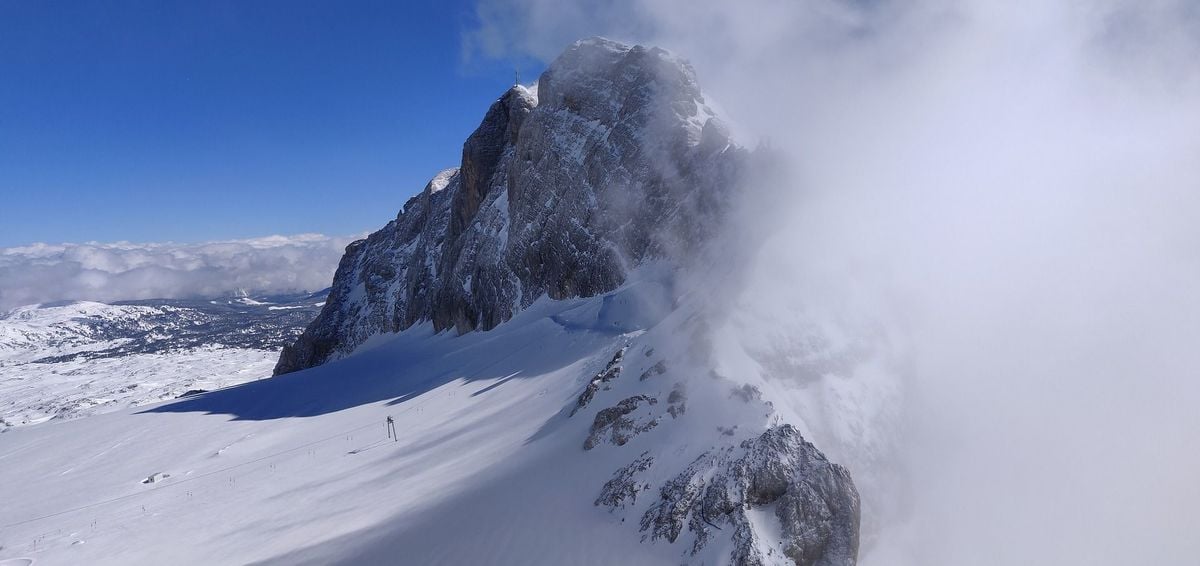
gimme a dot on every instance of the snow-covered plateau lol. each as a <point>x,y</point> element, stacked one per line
<point>63,361</point>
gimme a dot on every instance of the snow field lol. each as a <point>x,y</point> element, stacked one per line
<point>278,466</point>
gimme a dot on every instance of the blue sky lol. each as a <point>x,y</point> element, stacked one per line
<point>194,121</point>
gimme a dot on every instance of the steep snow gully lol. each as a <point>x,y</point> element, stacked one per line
<point>561,391</point>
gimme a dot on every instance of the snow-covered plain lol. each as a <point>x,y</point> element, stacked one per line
<point>67,360</point>
<point>32,393</point>
<point>489,466</point>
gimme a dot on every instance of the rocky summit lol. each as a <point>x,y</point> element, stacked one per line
<point>613,158</point>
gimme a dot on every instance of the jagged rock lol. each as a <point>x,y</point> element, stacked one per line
<point>613,159</point>
<point>815,501</point>
<point>482,152</point>
<point>656,369</point>
<point>610,372</point>
<point>616,424</point>
<point>623,488</point>
<point>678,498</point>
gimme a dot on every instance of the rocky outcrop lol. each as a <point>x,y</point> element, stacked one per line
<point>621,422</point>
<point>624,487</point>
<point>813,499</point>
<point>677,401</point>
<point>611,160</point>
<point>611,371</point>
<point>658,368</point>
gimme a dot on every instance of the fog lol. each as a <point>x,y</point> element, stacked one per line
<point>1010,191</point>
<point>41,273</point>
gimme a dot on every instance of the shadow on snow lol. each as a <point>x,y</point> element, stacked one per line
<point>401,367</point>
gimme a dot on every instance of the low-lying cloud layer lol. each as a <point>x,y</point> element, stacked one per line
<point>41,273</point>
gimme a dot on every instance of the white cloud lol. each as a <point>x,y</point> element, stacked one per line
<point>40,273</point>
<point>1014,187</point>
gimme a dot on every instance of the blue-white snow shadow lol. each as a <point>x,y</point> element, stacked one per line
<point>403,366</point>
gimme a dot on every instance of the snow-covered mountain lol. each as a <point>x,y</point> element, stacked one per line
<point>552,330</point>
<point>612,159</point>
<point>60,361</point>
<point>611,173</point>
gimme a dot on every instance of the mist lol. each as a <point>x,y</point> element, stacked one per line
<point>1000,197</point>
<point>105,272</point>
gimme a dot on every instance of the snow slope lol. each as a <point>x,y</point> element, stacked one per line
<point>449,395</point>
<point>490,465</point>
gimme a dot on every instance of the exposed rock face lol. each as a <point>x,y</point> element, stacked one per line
<point>814,500</point>
<point>621,422</point>
<point>611,371</point>
<point>483,150</point>
<point>625,486</point>
<point>658,368</point>
<point>611,160</point>
<point>677,401</point>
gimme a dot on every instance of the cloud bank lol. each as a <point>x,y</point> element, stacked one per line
<point>1011,189</point>
<point>41,273</point>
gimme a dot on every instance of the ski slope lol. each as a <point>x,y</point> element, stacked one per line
<point>300,465</point>
<point>489,466</point>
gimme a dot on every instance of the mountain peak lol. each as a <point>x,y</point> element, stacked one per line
<point>605,80</point>
<point>613,159</point>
